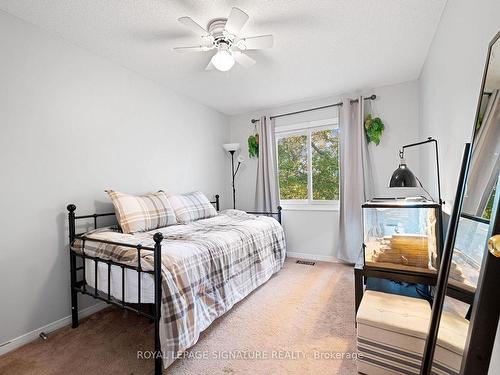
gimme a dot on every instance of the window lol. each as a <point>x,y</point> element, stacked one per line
<point>308,163</point>
<point>489,205</point>
<point>469,249</point>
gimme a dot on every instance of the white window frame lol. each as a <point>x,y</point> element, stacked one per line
<point>306,128</point>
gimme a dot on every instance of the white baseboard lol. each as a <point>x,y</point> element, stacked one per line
<point>33,335</point>
<point>316,257</point>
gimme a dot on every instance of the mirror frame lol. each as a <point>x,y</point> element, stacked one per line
<point>486,306</point>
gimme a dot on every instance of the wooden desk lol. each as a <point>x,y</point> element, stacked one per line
<point>455,290</point>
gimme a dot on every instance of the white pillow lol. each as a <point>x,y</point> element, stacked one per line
<point>142,213</point>
<point>191,206</point>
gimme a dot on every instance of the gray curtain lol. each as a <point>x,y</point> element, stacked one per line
<point>355,174</point>
<point>369,182</point>
<point>485,160</point>
<point>266,192</point>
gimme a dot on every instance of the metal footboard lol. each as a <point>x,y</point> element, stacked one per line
<point>80,286</point>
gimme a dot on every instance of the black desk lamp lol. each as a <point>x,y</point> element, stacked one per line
<point>404,177</point>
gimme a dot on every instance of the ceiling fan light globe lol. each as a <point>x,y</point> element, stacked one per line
<point>223,60</point>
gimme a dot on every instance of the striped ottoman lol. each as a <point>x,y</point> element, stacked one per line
<point>391,336</point>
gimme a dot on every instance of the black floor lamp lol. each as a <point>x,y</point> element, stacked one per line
<point>404,177</point>
<point>232,148</point>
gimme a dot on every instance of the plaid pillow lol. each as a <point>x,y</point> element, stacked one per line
<point>192,206</point>
<point>142,213</point>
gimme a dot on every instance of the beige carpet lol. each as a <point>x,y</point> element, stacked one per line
<point>301,314</point>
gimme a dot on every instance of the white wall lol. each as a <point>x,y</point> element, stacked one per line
<point>315,233</point>
<point>71,125</point>
<point>398,107</point>
<point>450,85</point>
<point>451,80</point>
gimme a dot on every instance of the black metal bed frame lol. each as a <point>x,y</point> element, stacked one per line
<point>80,286</point>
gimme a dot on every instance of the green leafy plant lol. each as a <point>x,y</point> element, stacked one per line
<point>253,146</point>
<point>374,127</point>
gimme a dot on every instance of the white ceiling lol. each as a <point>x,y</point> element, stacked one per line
<point>322,47</point>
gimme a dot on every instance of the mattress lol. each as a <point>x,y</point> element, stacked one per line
<point>131,282</point>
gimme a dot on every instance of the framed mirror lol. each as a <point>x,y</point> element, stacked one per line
<point>464,334</point>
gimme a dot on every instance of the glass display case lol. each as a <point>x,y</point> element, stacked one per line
<point>401,234</point>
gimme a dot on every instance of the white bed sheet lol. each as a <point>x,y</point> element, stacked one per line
<point>131,282</point>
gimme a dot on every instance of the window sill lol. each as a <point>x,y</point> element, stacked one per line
<point>310,207</point>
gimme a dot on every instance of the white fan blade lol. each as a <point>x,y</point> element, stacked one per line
<point>236,20</point>
<point>195,27</point>
<point>210,66</point>
<point>191,49</point>
<point>255,42</point>
<point>243,59</point>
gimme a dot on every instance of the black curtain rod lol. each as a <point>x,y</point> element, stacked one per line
<point>339,104</point>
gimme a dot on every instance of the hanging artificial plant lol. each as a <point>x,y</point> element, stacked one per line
<point>253,145</point>
<point>374,127</point>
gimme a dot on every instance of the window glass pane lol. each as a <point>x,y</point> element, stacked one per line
<point>469,250</point>
<point>292,167</point>
<point>325,164</point>
<point>489,205</point>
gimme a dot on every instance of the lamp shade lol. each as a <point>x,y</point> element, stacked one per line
<point>403,177</point>
<point>231,147</point>
<point>223,60</point>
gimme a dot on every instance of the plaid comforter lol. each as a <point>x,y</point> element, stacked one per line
<point>207,267</point>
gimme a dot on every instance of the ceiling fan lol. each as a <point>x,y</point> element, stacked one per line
<point>223,34</point>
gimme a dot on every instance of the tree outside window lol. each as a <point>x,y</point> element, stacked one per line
<point>308,165</point>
